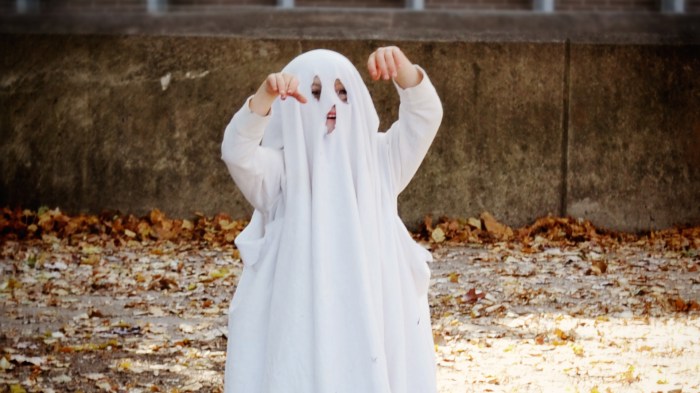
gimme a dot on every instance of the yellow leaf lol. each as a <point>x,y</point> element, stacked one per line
<point>17,389</point>
<point>225,225</point>
<point>10,283</point>
<point>93,259</point>
<point>124,365</point>
<point>129,233</point>
<point>144,229</point>
<point>578,349</point>
<point>454,277</point>
<point>564,336</point>
<point>438,235</point>
<point>92,249</point>
<point>220,273</point>
<point>628,376</point>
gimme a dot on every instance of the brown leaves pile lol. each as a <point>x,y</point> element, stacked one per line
<point>221,229</point>
<point>46,224</point>
<point>553,230</point>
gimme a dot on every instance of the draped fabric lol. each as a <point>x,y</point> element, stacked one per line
<point>333,296</point>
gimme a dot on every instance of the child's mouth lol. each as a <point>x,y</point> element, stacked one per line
<point>330,120</point>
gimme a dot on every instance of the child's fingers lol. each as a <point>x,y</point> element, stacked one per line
<point>372,66</point>
<point>292,85</point>
<point>399,58</point>
<point>277,84</point>
<point>293,90</point>
<point>381,63</point>
<point>299,97</point>
<point>389,59</point>
<point>272,83</point>
<point>281,85</point>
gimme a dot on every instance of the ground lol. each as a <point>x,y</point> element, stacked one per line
<point>92,315</point>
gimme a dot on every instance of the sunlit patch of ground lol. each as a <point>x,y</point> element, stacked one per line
<point>545,322</point>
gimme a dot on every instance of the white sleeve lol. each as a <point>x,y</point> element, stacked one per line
<point>257,170</point>
<point>409,138</point>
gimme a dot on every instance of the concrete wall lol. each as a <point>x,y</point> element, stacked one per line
<point>606,132</point>
<point>634,135</point>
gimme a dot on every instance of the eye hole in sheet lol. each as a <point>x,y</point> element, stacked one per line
<point>316,88</point>
<point>340,91</point>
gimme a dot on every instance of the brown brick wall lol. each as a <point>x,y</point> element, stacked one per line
<point>608,5</point>
<point>92,5</point>
<point>351,3</point>
<point>479,4</point>
<point>692,6</point>
<point>205,3</point>
<point>140,5</point>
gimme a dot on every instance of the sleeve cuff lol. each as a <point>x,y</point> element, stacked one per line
<point>249,123</point>
<point>420,90</point>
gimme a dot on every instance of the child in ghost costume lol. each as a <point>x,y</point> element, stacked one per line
<point>333,294</point>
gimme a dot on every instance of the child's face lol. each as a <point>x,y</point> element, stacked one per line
<point>339,90</point>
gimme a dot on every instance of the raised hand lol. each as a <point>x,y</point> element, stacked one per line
<point>390,62</point>
<point>280,85</point>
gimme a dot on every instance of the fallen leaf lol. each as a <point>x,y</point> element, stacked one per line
<point>472,296</point>
<point>156,311</point>
<point>17,389</point>
<point>599,267</point>
<point>438,235</point>
<point>63,378</point>
<point>5,365</point>
<point>494,227</point>
<point>104,385</point>
<point>454,277</point>
<point>34,360</point>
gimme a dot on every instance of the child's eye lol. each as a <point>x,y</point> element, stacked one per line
<point>316,88</point>
<point>343,94</point>
<point>340,91</point>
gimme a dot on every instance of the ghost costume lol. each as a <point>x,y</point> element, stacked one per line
<point>333,294</point>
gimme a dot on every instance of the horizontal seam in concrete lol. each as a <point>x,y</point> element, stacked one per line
<point>432,26</point>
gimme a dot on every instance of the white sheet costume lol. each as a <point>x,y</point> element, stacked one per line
<point>333,296</point>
